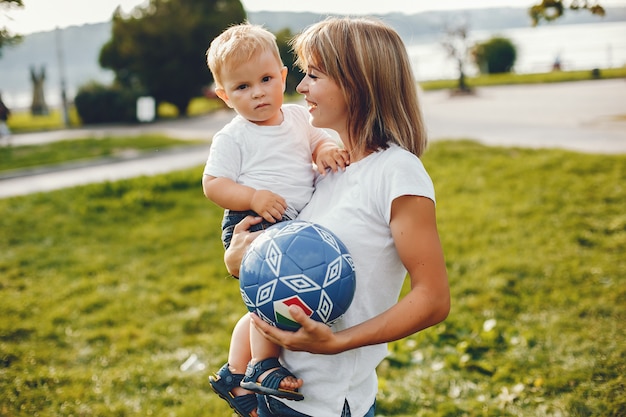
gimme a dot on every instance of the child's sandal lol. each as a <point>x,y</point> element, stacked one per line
<point>223,383</point>
<point>271,382</point>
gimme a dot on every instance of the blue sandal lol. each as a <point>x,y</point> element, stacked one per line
<point>223,382</point>
<point>271,383</point>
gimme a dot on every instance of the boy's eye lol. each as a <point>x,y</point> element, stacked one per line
<point>266,78</point>
<point>241,87</point>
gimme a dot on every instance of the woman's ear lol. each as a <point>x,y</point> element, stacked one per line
<point>283,73</point>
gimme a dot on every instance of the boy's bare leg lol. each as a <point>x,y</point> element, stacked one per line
<point>240,352</point>
<point>261,348</point>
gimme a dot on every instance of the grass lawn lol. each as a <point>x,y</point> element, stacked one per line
<point>485,80</point>
<point>108,288</point>
<point>22,157</point>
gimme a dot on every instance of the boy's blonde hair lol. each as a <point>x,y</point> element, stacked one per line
<point>369,62</point>
<point>238,44</point>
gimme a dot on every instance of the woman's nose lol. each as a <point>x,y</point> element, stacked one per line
<point>302,86</point>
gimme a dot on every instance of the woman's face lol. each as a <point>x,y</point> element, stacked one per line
<point>327,105</point>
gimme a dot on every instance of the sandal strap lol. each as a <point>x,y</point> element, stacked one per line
<point>254,371</point>
<point>231,380</point>
<point>271,380</point>
<point>223,384</point>
<point>246,403</point>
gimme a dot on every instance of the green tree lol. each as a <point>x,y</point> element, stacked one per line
<point>160,48</point>
<point>6,37</point>
<point>549,10</point>
<point>495,56</point>
<point>294,75</point>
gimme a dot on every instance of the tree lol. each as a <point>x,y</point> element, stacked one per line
<point>549,10</point>
<point>160,48</point>
<point>6,37</point>
<point>456,44</point>
<point>294,75</point>
<point>495,56</point>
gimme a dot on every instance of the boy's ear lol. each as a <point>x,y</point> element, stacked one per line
<point>221,93</point>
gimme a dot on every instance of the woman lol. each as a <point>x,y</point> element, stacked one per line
<point>359,83</point>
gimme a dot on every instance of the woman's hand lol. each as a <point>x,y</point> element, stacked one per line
<point>313,336</point>
<point>239,243</point>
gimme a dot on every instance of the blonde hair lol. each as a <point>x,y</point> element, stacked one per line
<point>369,62</point>
<point>238,44</point>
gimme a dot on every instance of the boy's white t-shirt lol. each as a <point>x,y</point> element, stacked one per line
<point>275,158</point>
<point>356,206</point>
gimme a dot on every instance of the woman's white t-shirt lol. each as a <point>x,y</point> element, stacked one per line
<point>356,206</point>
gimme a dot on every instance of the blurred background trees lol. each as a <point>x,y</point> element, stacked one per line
<point>494,56</point>
<point>159,50</point>
<point>6,37</point>
<point>294,75</point>
<point>457,45</point>
<point>549,10</point>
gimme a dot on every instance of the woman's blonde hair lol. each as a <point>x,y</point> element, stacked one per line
<point>238,44</point>
<point>369,62</point>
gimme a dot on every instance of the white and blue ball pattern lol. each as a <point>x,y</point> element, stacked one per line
<point>301,263</point>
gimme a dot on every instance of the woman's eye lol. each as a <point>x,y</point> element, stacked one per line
<point>312,76</point>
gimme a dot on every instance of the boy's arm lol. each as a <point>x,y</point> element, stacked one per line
<point>228,194</point>
<point>328,155</point>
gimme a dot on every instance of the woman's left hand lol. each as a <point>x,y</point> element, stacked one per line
<point>313,336</point>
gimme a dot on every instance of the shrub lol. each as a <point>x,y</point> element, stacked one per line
<point>97,103</point>
<point>495,56</point>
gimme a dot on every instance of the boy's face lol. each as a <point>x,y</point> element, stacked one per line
<point>255,89</point>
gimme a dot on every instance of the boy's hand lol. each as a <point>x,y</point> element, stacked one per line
<point>332,157</point>
<point>268,205</point>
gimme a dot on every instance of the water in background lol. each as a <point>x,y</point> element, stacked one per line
<point>578,47</point>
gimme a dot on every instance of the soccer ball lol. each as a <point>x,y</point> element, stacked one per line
<point>301,263</point>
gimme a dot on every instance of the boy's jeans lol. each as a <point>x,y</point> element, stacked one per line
<point>231,218</point>
<point>271,407</point>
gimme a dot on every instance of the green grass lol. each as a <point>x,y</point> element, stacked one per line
<point>537,78</point>
<point>106,289</point>
<point>21,157</point>
<point>23,121</point>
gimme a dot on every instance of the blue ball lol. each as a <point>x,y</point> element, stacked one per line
<point>301,263</point>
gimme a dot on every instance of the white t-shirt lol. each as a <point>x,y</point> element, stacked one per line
<point>275,158</point>
<point>356,206</point>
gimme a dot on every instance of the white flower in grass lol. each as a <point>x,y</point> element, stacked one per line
<point>489,325</point>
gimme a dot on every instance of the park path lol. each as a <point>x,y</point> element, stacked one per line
<point>584,116</point>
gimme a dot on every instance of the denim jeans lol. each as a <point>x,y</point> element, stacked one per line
<point>231,218</point>
<point>271,407</point>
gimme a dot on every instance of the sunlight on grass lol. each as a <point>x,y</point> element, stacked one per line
<point>536,78</point>
<point>20,157</point>
<point>23,121</point>
<point>107,289</point>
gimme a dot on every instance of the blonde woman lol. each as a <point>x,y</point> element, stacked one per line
<point>359,83</point>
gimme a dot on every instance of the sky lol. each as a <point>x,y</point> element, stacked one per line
<point>44,15</point>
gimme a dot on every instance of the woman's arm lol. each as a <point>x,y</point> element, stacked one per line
<point>239,243</point>
<point>414,230</point>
